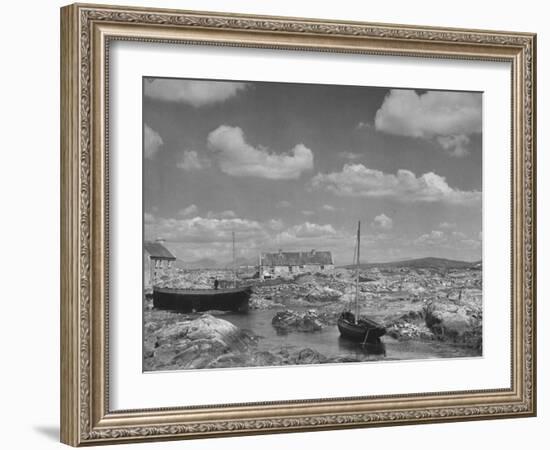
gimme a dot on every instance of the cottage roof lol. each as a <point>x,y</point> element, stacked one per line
<point>296,258</point>
<point>157,250</point>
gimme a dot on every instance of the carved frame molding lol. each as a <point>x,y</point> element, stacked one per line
<point>86,31</point>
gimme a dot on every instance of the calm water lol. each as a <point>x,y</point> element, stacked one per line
<point>328,341</point>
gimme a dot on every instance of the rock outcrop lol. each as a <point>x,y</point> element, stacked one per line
<point>195,344</point>
<point>408,326</point>
<point>307,356</point>
<point>323,294</point>
<point>208,342</point>
<point>458,322</point>
<point>288,321</point>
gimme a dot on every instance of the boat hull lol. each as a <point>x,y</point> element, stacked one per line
<point>365,331</point>
<point>194,300</point>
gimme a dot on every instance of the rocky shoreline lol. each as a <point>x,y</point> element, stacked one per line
<point>209,342</point>
<point>309,304</point>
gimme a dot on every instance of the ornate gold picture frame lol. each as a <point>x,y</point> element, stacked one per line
<point>87,32</point>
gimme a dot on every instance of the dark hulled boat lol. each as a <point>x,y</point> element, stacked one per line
<point>364,330</point>
<point>190,300</point>
<point>352,326</point>
<point>195,300</point>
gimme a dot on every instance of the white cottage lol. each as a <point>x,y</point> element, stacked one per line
<point>157,260</point>
<point>288,263</point>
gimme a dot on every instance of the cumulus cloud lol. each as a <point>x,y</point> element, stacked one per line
<point>356,180</point>
<point>151,142</point>
<point>456,145</point>
<point>275,224</point>
<point>382,222</point>
<point>443,239</point>
<point>238,158</point>
<point>307,230</point>
<point>435,237</point>
<point>310,235</point>
<point>448,117</point>
<point>227,214</point>
<point>458,235</point>
<point>203,229</point>
<point>210,233</point>
<point>192,92</point>
<point>190,160</point>
<point>328,208</point>
<point>307,212</point>
<point>188,211</point>
<point>197,237</point>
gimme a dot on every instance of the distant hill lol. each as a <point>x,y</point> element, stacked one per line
<point>423,263</point>
<point>418,263</point>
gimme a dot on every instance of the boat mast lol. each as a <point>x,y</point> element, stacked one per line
<point>234,262</point>
<point>357,272</point>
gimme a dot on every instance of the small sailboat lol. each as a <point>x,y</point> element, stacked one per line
<point>194,300</point>
<point>351,325</point>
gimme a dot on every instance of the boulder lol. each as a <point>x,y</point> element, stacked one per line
<point>265,358</point>
<point>308,356</point>
<point>404,330</point>
<point>193,354</point>
<point>410,325</point>
<point>322,294</point>
<point>263,303</point>
<point>455,322</point>
<point>194,344</point>
<point>288,320</point>
<point>206,326</point>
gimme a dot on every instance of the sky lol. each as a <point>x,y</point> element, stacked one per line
<point>296,166</point>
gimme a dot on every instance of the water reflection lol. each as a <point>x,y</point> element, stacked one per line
<point>377,348</point>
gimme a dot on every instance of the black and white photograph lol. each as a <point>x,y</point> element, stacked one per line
<point>294,224</point>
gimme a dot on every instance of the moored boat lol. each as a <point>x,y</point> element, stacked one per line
<point>352,326</point>
<point>362,330</point>
<point>194,300</point>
